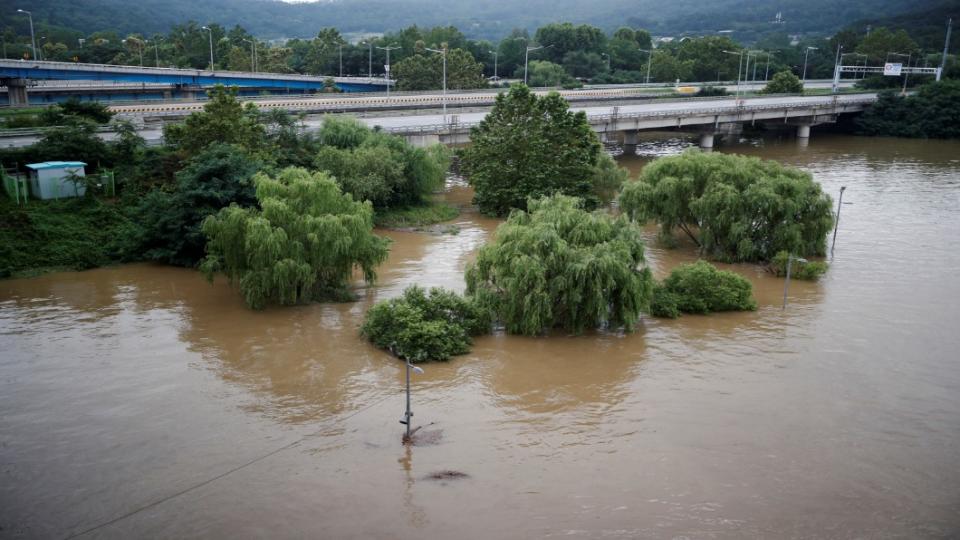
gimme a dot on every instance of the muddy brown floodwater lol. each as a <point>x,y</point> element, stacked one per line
<point>141,402</point>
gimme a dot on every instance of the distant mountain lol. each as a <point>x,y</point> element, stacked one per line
<point>927,27</point>
<point>476,18</point>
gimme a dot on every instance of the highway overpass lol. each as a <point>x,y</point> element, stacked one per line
<point>706,116</point>
<point>17,74</point>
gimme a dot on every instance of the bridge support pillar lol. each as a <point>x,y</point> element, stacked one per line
<point>16,91</point>
<point>706,141</point>
<point>803,131</point>
<point>630,138</point>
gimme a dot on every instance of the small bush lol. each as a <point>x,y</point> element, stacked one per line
<point>422,326</point>
<point>710,91</point>
<point>810,271</point>
<point>702,288</point>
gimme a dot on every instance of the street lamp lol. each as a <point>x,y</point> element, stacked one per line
<point>836,69</point>
<point>495,56</point>
<point>766,75</point>
<point>253,54</point>
<point>836,222</point>
<point>210,31</point>
<point>443,51</point>
<point>139,48</point>
<point>156,49</point>
<point>805,55</point>
<point>786,283</point>
<point>340,48</point>
<point>33,41</point>
<point>649,62</point>
<point>369,58</point>
<point>526,59</point>
<point>409,413</point>
<point>739,68</point>
<point>387,65</point>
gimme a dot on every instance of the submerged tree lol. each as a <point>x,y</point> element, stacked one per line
<point>303,245</point>
<point>530,147</point>
<point>735,208</point>
<point>559,266</point>
<point>422,326</point>
<point>701,288</point>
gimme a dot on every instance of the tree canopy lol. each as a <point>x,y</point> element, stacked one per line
<point>783,83</point>
<point>735,208</point>
<point>933,112</point>
<point>701,288</point>
<point>223,119</point>
<point>425,71</point>
<point>303,245</point>
<point>530,147</point>
<point>559,266</point>
<point>422,326</point>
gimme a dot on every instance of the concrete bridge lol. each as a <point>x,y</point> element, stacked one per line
<point>709,117</point>
<point>17,75</point>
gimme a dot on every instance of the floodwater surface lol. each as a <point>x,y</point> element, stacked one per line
<point>142,402</point>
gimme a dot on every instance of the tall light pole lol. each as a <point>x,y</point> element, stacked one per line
<point>156,50</point>
<point>139,48</point>
<point>805,55</point>
<point>739,68</point>
<point>210,31</point>
<point>340,47</point>
<point>495,56</point>
<point>836,222</point>
<point>836,69</point>
<point>40,51</point>
<point>649,63</point>
<point>443,52</point>
<point>946,45</point>
<point>409,413</point>
<point>786,282</point>
<point>766,75</point>
<point>387,65</point>
<point>253,54</point>
<point>526,59</point>
<point>33,42</point>
<point>369,58</point>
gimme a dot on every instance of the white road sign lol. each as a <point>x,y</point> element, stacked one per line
<point>892,69</point>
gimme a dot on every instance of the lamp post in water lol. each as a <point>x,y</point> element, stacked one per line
<point>786,283</point>
<point>409,413</point>
<point>836,222</point>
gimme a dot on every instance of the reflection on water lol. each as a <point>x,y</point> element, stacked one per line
<point>837,417</point>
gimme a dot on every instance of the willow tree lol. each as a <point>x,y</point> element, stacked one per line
<point>302,245</point>
<point>735,208</point>
<point>559,266</point>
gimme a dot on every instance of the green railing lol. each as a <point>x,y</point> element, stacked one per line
<point>16,187</point>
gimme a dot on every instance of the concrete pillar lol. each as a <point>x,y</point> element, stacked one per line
<point>16,91</point>
<point>630,138</point>
<point>706,141</point>
<point>803,131</point>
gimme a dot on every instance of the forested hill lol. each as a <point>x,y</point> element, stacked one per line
<point>490,19</point>
<point>926,26</point>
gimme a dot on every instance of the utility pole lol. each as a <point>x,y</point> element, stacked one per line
<point>33,42</point>
<point>211,46</point>
<point>650,61</point>
<point>805,55</point>
<point>495,56</point>
<point>387,65</point>
<point>340,46</point>
<point>443,51</point>
<point>836,69</point>
<point>946,45</point>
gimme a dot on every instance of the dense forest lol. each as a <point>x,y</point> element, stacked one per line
<point>486,20</point>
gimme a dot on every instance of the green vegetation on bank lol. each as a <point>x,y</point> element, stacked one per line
<point>421,326</point>
<point>735,208</point>
<point>810,270</point>
<point>415,216</point>
<point>701,288</point>
<point>933,112</point>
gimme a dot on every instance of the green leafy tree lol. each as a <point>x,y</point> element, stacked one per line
<point>223,119</point>
<point>881,41</point>
<point>542,74</point>
<point>530,147</point>
<point>561,38</point>
<point>701,288</point>
<point>933,112</point>
<point>422,326</point>
<point>583,64</point>
<point>784,82</point>
<point>735,208</point>
<point>302,246</point>
<point>221,175</point>
<point>559,266</point>
<point>425,71</point>
<point>377,167</point>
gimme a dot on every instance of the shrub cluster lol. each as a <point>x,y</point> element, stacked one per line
<point>701,288</point>
<point>810,270</point>
<point>421,325</point>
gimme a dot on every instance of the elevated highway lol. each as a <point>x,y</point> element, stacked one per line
<point>17,74</point>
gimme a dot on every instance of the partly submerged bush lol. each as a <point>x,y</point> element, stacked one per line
<point>810,270</point>
<point>701,288</point>
<point>422,326</point>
